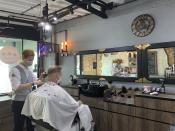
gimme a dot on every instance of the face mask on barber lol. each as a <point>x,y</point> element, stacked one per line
<point>29,63</point>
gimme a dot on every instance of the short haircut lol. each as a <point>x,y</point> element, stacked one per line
<point>54,69</point>
<point>27,53</point>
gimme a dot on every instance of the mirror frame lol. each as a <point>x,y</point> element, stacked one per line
<point>112,78</point>
<point>145,61</point>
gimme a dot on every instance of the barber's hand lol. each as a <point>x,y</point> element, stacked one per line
<point>38,82</point>
<point>42,76</point>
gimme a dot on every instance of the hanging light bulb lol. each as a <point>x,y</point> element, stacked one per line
<point>47,26</point>
<point>55,18</point>
<point>41,24</point>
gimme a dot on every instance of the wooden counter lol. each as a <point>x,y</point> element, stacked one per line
<point>154,113</point>
<point>6,119</point>
<point>139,113</point>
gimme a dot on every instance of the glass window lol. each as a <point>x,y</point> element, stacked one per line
<point>5,68</point>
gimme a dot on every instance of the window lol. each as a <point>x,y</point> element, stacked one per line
<point>5,68</point>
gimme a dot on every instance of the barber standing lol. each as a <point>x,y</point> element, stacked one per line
<point>22,80</point>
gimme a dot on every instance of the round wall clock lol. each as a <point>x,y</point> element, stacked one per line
<point>143,25</point>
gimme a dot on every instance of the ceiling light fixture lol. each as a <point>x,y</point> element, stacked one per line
<point>47,27</point>
<point>55,18</point>
<point>44,22</point>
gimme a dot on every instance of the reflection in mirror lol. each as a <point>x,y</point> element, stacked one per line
<point>161,62</point>
<point>120,64</point>
<point>89,64</point>
<point>78,64</point>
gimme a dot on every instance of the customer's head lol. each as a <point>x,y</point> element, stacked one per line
<point>54,73</point>
<point>27,57</point>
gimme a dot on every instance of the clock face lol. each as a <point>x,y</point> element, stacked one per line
<point>143,25</point>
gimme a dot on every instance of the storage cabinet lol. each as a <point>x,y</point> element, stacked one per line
<point>6,119</point>
<point>99,112</point>
<point>147,113</point>
<point>6,123</point>
<point>148,125</point>
<point>154,113</point>
<point>119,122</point>
<point>102,119</point>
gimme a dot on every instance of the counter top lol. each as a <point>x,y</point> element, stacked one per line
<point>166,96</point>
<point>5,98</point>
<point>120,100</point>
<point>130,101</point>
<point>69,86</point>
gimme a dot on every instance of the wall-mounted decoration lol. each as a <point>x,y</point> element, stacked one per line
<point>142,46</point>
<point>44,48</point>
<point>143,25</point>
<point>62,41</point>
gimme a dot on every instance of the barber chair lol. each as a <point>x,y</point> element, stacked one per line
<point>49,127</point>
<point>43,124</point>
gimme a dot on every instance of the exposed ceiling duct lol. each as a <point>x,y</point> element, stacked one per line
<point>29,12</point>
<point>96,7</point>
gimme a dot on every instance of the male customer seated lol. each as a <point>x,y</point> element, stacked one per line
<point>52,104</point>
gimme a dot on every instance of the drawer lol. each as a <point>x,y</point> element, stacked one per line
<point>6,123</point>
<point>5,109</point>
<point>72,91</point>
<point>147,125</point>
<point>94,102</point>
<point>166,117</point>
<point>159,104</point>
<point>121,108</point>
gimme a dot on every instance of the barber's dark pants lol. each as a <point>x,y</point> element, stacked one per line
<point>19,119</point>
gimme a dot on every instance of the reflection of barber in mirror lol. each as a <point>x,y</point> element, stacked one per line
<point>116,67</point>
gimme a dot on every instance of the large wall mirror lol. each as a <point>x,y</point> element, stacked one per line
<point>120,64</point>
<point>161,61</point>
<point>114,64</point>
<point>89,64</point>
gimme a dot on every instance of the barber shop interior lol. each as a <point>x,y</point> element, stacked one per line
<point>87,65</point>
